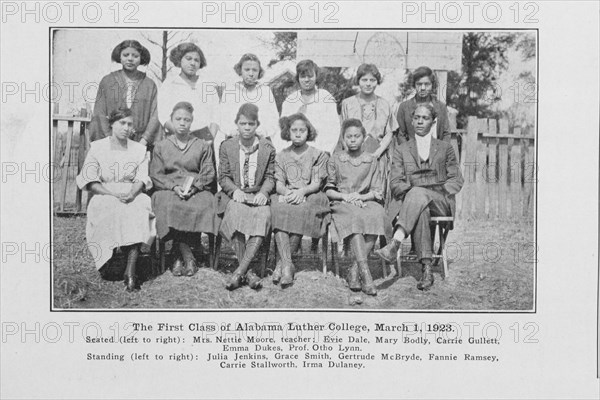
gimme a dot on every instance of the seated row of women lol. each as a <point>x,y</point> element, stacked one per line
<point>294,193</point>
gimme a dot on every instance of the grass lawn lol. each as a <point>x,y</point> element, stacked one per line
<point>491,268</point>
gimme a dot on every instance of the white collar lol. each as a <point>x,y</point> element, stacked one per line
<point>423,145</point>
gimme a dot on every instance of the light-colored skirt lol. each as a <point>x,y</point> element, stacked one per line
<point>112,224</point>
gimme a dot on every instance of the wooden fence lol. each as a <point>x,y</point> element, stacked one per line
<point>499,169</point>
<point>69,155</point>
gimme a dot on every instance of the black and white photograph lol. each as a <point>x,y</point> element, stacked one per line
<point>299,200</point>
<point>428,208</point>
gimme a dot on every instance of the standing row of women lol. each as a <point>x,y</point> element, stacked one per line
<point>295,191</point>
<point>151,107</point>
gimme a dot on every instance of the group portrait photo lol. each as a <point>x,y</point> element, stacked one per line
<point>252,169</point>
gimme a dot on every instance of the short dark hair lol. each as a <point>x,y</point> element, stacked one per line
<point>285,123</point>
<point>422,72</point>
<point>368,69</point>
<point>182,49</point>
<point>427,106</point>
<point>249,57</point>
<point>144,53</point>
<point>183,105</point>
<point>249,111</point>
<point>353,122</point>
<point>118,114</point>
<point>305,66</point>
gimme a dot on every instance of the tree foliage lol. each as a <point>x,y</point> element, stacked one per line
<point>285,44</point>
<point>473,91</point>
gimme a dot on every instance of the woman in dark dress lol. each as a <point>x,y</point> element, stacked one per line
<point>127,88</point>
<point>182,171</point>
<point>246,176</point>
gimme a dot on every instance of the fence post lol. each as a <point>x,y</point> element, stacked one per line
<point>492,172</point>
<point>529,177</point>
<point>516,189</point>
<point>467,164</point>
<point>503,170</point>
<point>480,157</point>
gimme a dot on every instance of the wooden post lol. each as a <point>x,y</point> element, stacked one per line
<point>503,171</point>
<point>491,176</point>
<point>529,178</point>
<point>479,169</point>
<point>65,166</point>
<point>468,159</point>
<point>516,189</point>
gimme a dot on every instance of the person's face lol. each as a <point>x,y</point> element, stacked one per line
<point>308,80</point>
<point>130,59</point>
<point>247,127</point>
<point>424,87</point>
<point>422,121</point>
<point>122,128</point>
<point>353,138</point>
<point>250,72</point>
<point>190,63</point>
<point>298,132</point>
<point>182,120</point>
<point>367,83</point>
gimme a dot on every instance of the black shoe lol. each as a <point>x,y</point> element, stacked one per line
<point>287,275</point>
<point>131,283</point>
<point>234,282</point>
<point>353,279</point>
<point>177,268</point>
<point>276,277</point>
<point>191,268</point>
<point>368,286</point>
<point>253,280</point>
<point>426,281</point>
<point>389,252</point>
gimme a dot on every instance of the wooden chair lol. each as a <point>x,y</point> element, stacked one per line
<point>441,226</point>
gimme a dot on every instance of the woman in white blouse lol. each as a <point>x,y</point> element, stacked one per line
<point>187,87</point>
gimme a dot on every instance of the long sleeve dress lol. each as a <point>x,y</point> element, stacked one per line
<point>140,96</point>
<point>252,177</point>
<point>110,222</point>
<point>311,217</point>
<point>170,167</point>
<point>321,110</point>
<point>362,175</point>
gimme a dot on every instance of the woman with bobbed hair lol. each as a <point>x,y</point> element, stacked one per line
<point>248,89</point>
<point>299,208</point>
<point>119,215</point>
<point>372,110</point>
<point>127,88</point>
<point>318,105</point>
<point>186,86</point>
